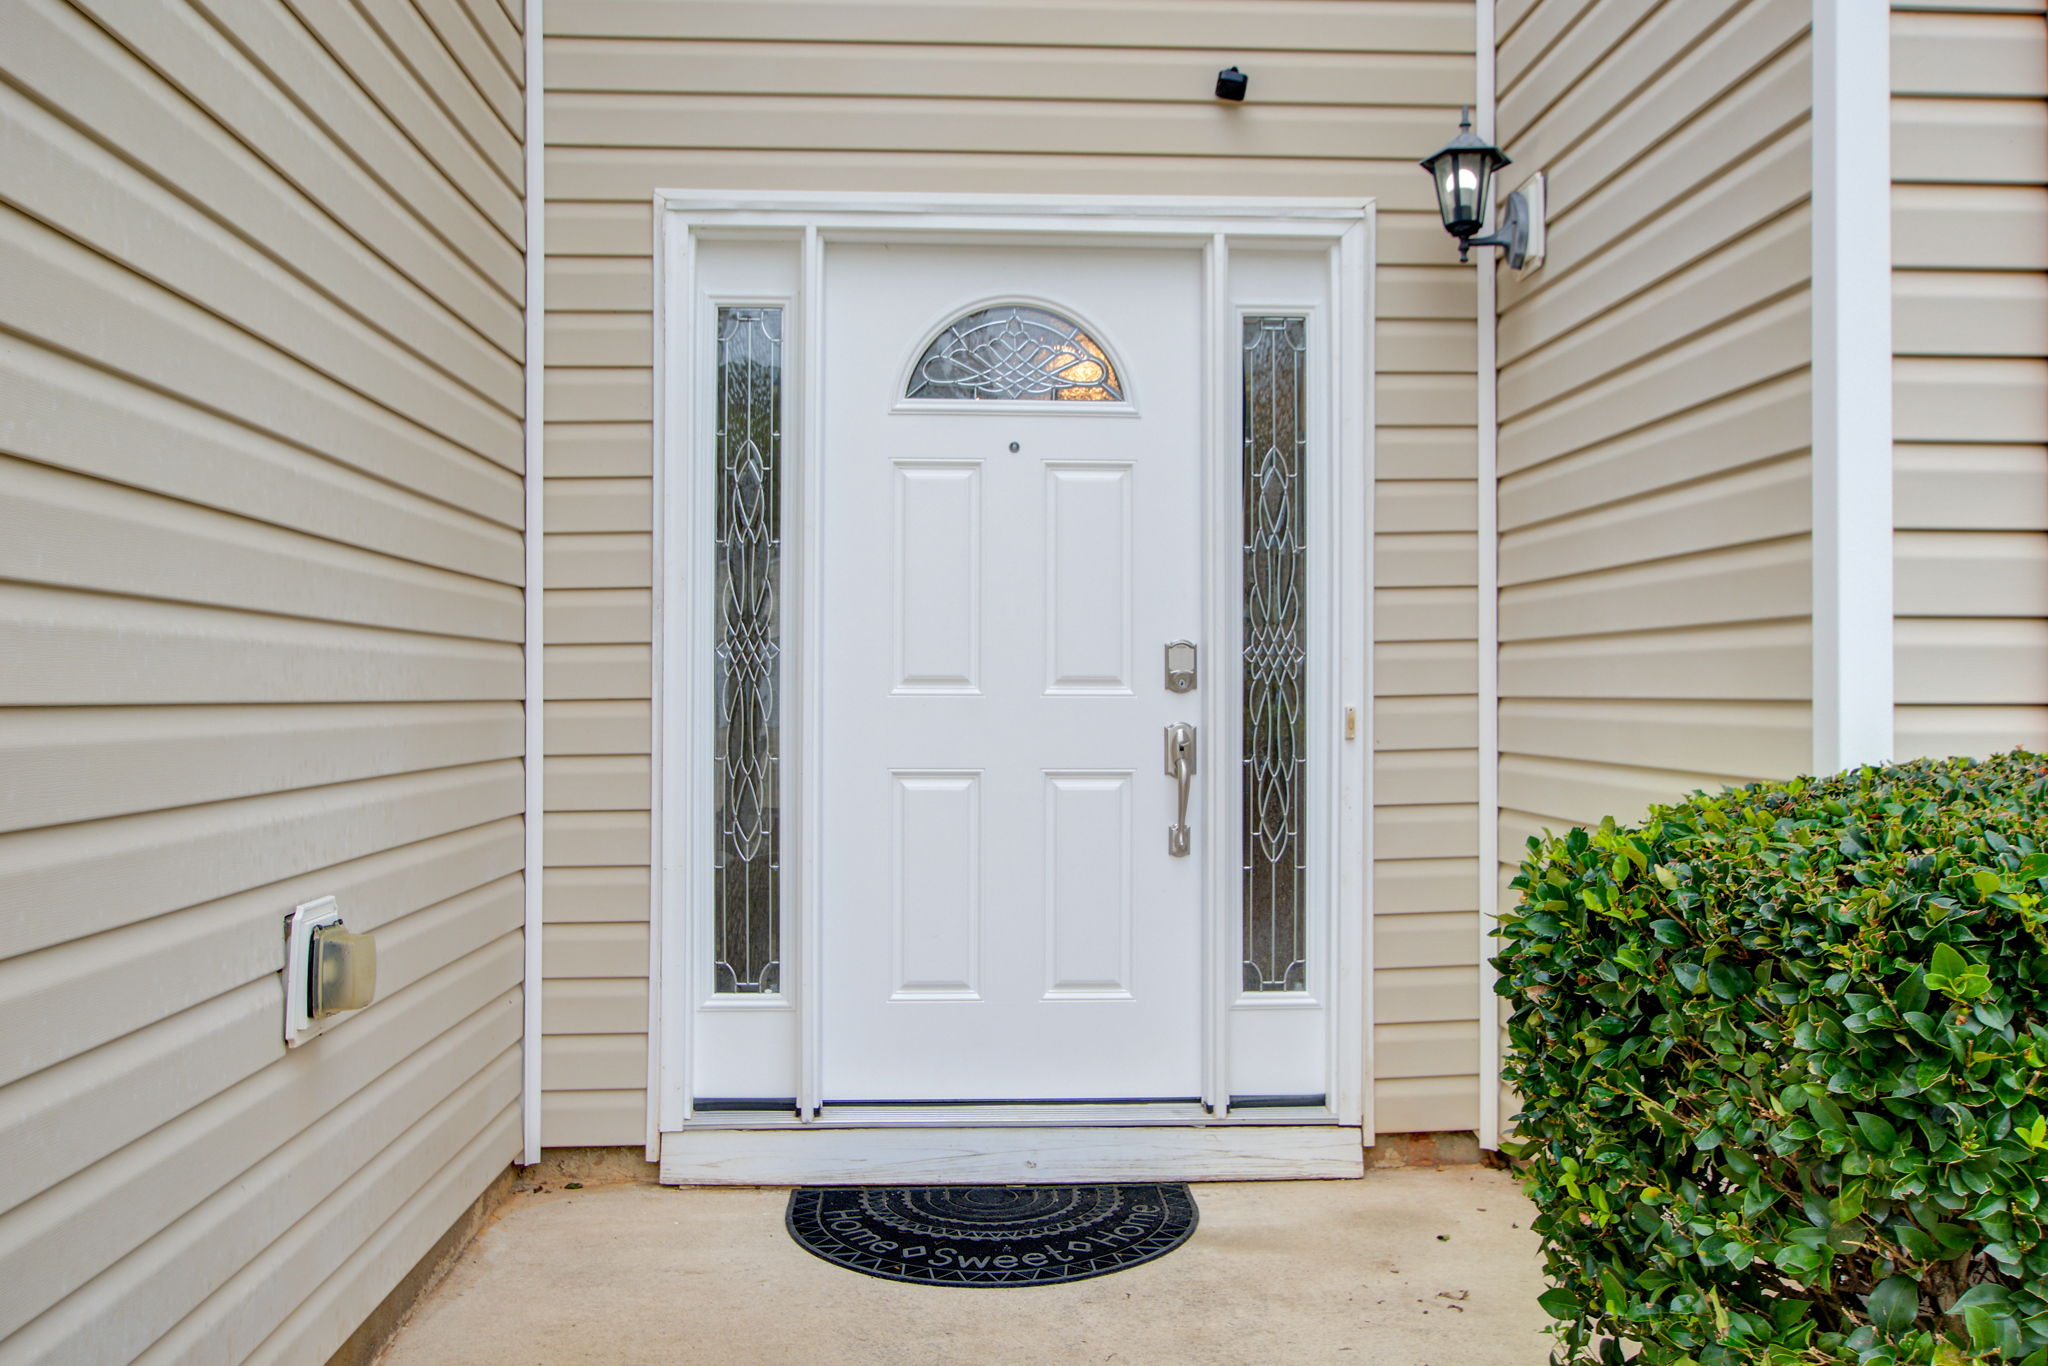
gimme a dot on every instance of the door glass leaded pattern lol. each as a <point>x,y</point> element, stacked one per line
<point>1015,351</point>
<point>746,863</point>
<point>1275,651</point>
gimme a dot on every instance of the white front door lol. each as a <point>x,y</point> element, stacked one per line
<point>1011,534</point>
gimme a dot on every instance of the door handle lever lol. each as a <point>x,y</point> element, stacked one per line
<point>1180,766</point>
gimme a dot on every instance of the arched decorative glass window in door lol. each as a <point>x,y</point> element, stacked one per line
<point>1015,351</point>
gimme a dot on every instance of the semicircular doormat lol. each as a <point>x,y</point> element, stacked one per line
<point>990,1235</point>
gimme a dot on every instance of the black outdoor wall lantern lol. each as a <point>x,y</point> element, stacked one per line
<point>1463,169</point>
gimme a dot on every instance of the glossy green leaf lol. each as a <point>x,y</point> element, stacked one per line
<point>1912,993</point>
<point>1894,1304</point>
<point>1990,1293</point>
<point>1728,981</point>
<point>1879,1132</point>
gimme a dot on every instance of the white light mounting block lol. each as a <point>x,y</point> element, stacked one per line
<point>299,1024</point>
<point>1533,197</point>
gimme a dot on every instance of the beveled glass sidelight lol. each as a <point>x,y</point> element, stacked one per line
<point>1275,360</point>
<point>1014,351</point>
<point>746,860</point>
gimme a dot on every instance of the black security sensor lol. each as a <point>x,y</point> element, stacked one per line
<point>1230,84</point>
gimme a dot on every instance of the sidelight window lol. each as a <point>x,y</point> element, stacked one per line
<point>1275,351</point>
<point>746,860</point>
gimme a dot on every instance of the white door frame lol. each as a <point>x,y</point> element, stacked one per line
<point>680,823</point>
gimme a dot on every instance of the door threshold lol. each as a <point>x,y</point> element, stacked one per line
<point>845,1155</point>
<point>1123,1114</point>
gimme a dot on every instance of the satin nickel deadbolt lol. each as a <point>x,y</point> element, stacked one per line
<point>1180,766</point>
<point>1180,666</point>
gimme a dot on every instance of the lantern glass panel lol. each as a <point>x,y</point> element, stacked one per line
<point>1461,187</point>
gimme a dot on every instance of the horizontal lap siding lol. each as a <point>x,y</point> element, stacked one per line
<point>1655,408</point>
<point>261,611</point>
<point>1970,333</point>
<point>996,98</point>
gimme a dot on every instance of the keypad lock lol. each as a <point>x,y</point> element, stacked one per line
<point>1180,666</point>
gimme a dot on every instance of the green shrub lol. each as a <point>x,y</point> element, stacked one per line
<point>1780,1053</point>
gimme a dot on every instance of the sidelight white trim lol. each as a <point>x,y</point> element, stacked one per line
<point>1852,385</point>
<point>1488,628</point>
<point>803,676</point>
<point>1355,467</point>
<point>535,528</point>
<point>1222,630</point>
<point>805,222</point>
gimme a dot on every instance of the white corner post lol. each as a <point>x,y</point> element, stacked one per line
<point>1488,628</point>
<point>535,474</point>
<point>1852,385</point>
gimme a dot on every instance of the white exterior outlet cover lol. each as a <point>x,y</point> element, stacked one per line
<point>1532,192</point>
<point>299,1025</point>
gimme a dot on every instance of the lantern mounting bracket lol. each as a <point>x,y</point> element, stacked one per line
<point>1513,237</point>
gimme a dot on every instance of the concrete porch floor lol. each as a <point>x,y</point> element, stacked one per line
<point>1408,1267</point>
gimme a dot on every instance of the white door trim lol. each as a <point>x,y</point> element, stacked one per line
<point>680,798</point>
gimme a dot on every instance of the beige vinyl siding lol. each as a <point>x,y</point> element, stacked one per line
<point>1654,408</point>
<point>260,612</point>
<point>1001,97</point>
<point>1970,333</point>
